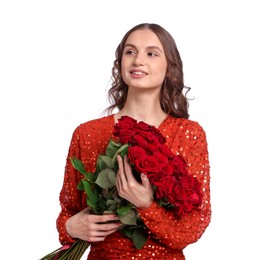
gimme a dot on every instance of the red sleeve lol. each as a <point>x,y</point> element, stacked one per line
<point>88,140</point>
<point>189,141</point>
<point>70,198</point>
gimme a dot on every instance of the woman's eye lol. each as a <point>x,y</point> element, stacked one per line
<point>152,54</point>
<point>129,52</point>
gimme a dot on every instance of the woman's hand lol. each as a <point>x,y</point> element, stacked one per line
<point>91,228</point>
<point>139,194</point>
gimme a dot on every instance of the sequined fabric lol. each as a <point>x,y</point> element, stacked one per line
<point>168,236</point>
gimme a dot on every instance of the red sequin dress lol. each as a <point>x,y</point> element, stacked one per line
<point>168,236</point>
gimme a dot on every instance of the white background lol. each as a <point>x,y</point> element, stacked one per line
<point>55,67</point>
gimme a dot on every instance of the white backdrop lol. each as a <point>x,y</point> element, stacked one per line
<point>55,66</point>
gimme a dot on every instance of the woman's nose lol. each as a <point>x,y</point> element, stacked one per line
<point>138,60</point>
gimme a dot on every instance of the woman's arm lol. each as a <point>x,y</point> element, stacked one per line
<point>70,198</point>
<point>190,142</point>
<point>75,220</point>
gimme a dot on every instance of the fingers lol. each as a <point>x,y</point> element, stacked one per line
<point>139,194</point>
<point>128,172</point>
<point>96,236</point>
<point>91,227</point>
<point>99,230</point>
<point>125,171</point>
<point>103,218</point>
<point>120,178</point>
<point>102,227</point>
<point>145,182</point>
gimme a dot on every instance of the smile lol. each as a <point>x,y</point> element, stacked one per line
<point>138,72</point>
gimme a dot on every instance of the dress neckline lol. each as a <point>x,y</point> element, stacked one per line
<point>159,126</point>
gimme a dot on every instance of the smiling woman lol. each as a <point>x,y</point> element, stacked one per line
<point>148,88</point>
<point>143,58</point>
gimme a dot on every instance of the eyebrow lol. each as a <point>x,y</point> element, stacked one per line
<point>148,47</point>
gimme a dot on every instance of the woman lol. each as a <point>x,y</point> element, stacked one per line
<point>147,86</point>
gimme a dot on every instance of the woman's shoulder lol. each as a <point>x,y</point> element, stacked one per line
<point>104,120</point>
<point>185,124</point>
<point>186,131</point>
<point>96,125</point>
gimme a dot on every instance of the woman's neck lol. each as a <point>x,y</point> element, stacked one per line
<point>143,108</point>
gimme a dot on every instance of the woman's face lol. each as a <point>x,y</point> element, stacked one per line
<point>143,63</point>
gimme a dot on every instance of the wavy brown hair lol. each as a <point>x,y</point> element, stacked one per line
<point>173,101</point>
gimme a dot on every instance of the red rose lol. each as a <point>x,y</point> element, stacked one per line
<point>135,152</point>
<point>197,191</point>
<point>147,164</point>
<point>160,157</point>
<point>150,148</point>
<point>124,123</point>
<point>151,137</point>
<point>153,134</point>
<point>161,139</point>
<point>125,135</point>
<point>195,198</point>
<point>185,180</point>
<point>138,140</point>
<point>166,169</point>
<point>159,194</point>
<point>157,135</point>
<point>179,164</point>
<point>166,151</point>
<point>180,195</point>
<point>167,188</point>
<point>142,126</point>
<point>156,179</point>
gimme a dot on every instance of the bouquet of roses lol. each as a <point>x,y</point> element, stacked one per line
<point>175,189</point>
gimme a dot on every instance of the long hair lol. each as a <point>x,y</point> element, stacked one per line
<point>172,98</point>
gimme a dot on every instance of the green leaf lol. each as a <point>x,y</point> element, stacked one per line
<point>89,176</point>
<point>124,152</point>
<point>123,210</point>
<point>114,193</point>
<point>127,232</point>
<point>104,162</point>
<point>80,185</point>
<point>78,165</point>
<point>121,149</point>
<point>90,204</point>
<point>110,202</point>
<point>108,212</point>
<point>128,218</point>
<point>106,178</point>
<point>92,197</point>
<point>139,237</point>
<point>87,186</point>
<point>112,148</point>
<point>101,206</point>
